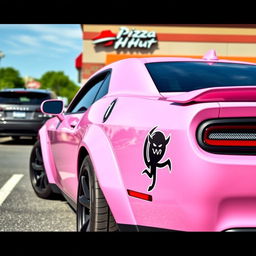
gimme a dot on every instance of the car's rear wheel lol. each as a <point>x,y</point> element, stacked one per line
<point>93,212</point>
<point>38,177</point>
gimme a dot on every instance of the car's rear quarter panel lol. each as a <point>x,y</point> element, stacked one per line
<point>203,191</point>
<point>178,194</point>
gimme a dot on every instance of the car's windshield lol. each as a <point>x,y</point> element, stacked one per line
<point>188,76</point>
<point>23,98</point>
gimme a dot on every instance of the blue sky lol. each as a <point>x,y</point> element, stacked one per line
<point>34,49</point>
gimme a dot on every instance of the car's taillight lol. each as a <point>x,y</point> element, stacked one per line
<point>228,136</point>
<point>1,109</point>
<point>38,110</point>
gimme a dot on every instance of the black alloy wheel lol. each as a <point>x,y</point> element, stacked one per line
<point>93,212</point>
<point>38,175</point>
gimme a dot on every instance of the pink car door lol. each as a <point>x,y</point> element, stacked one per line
<point>68,133</point>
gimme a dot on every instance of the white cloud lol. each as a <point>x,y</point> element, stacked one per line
<point>72,31</point>
<point>10,42</point>
<point>61,30</point>
<point>27,40</point>
<point>64,43</point>
<point>42,37</point>
<point>22,51</point>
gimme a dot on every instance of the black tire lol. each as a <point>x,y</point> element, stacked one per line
<point>93,212</point>
<point>38,177</point>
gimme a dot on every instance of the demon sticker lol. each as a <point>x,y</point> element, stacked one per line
<point>154,149</point>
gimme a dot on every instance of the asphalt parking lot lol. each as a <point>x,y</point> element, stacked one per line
<point>20,208</point>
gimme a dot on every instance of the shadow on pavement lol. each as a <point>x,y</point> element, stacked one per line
<point>20,141</point>
<point>58,197</point>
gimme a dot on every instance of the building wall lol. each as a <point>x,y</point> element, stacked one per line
<point>237,42</point>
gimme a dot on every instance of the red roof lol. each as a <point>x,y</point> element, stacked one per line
<point>78,61</point>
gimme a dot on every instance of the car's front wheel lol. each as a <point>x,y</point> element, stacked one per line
<point>38,177</point>
<point>93,212</point>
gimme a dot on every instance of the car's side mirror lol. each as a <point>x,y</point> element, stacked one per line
<point>53,107</point>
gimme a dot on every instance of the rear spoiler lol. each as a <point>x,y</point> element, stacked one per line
<point>215,94</point>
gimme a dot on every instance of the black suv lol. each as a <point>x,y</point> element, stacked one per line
<point>20,113</point>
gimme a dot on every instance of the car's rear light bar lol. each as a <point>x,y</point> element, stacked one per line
<point>230,135</point>
<point>235,136</point>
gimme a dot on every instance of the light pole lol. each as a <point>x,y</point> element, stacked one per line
<point>1,56</point>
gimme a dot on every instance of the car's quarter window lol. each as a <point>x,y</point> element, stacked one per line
<point>104,88</point>
<point>188,76</point>
<point>88,99</point>
<point>87,95</point>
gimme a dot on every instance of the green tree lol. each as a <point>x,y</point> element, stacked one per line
<point>10,78</point>
<point>60,83</point>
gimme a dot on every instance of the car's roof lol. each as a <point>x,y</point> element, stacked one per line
<point>25,90</point>
<point>145,60</point>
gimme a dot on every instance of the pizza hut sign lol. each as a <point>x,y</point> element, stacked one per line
<point>126,38</point>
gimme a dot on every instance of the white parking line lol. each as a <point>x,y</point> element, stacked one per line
<point>9,186</point>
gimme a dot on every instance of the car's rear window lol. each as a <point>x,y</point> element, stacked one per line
<point>23,98</point>
<point>188,76</point>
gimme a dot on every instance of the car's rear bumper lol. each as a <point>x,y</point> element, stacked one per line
<point>20,127</point>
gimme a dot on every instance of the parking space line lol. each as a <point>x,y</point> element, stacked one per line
<point>9,186</point>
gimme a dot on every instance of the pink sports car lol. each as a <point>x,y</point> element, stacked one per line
<point>155,144</point>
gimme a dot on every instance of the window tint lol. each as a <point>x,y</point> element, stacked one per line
<point>23,98</point>
<point>104,88</point>
<point>187,76</point>
<point>87,99</point>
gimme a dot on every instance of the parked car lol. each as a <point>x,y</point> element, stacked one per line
<point>155,144</point>
<point>20,113</point>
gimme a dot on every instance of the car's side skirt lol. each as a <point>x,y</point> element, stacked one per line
<point>57,190</point>
<point>138,228</point>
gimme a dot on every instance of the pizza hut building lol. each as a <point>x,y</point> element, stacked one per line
<point>106,43</point>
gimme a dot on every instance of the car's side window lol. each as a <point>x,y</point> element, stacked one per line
<point>87,95</point>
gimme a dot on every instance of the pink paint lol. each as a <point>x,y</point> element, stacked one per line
<point>201,192</point>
